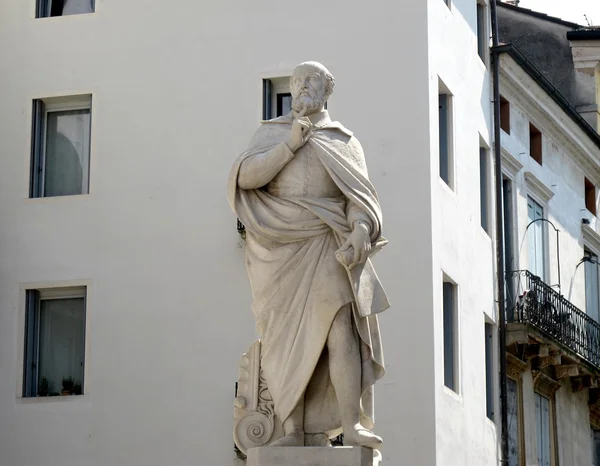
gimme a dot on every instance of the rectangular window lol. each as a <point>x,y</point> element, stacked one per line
<point>535,144</point>
<point>54,342</point>
<point>445,137</point>
<point>284,103</point>
<point>47,8</point>
<point>513,422</point>
<point>484,188</point>
<point>450,336</point>
<point>60,158</point>
<point>489,370</point>
<point>482,40</point>
<point>543,429</point>
<point>505,115</point>
<point>277,99</point>
<point>536,238</point>
<point>592,286</point>
<point>590,196</point>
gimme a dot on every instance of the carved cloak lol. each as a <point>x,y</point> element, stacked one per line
<point>290,260</point>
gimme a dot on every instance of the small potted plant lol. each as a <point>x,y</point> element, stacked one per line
<point>67,385</point>
<point>44,388</point>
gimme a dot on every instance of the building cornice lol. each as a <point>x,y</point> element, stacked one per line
<point>514,366</point>
<point>544,385</point>
<point>536,187</point>
<point>591,238</point>
<point>510,164</point>
<point>524,92</point>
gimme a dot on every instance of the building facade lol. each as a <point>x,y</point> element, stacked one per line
<point>124,301</point>
<point>551,163</point>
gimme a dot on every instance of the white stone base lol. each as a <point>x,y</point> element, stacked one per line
<point>310,456</point>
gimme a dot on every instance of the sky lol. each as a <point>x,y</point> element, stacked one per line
<point>569,10</point>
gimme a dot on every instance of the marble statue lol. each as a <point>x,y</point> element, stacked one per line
<point>313,221</point>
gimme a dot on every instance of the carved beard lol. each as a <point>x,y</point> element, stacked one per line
<point>311,102</point>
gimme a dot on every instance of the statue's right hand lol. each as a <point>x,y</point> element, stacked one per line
<point>301,131</point>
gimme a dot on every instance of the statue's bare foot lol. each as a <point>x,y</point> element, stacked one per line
<point>293,439</point>
<point>362,437</point>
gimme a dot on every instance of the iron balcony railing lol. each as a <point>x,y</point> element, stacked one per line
<point>531,301</point>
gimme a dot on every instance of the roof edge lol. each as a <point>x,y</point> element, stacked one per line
<point>549,88</point>
<point>539,15</point>
<point>592,33</point>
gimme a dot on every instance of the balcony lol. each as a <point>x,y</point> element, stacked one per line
<point>544,325</point>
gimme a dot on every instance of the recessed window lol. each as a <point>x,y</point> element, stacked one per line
<point>489,370</point>
<point>482,39</point>
<point>535,143</point>
<point>54,342</point>
<point>277,98</point>
<point>47,8</point>
<point>505,115</point>
<point>590,196</point>
<point>445,137</point>
<point>484,188</point>
<point>60,146</point>
<point>449,301</point>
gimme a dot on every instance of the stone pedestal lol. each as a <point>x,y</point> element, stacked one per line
<point>310,456</point>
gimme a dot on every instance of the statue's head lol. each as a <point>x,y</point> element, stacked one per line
<point>311,85</point>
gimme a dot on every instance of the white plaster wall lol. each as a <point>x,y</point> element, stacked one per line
<point>461,248</point>
<point>176,96</point>
<point>564,176</point>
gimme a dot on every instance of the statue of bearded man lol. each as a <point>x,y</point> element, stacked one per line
<point>312,221</point>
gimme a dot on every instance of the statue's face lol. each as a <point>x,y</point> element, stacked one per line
<point>308,89</point>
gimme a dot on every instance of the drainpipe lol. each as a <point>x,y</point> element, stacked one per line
<point>495,56</point>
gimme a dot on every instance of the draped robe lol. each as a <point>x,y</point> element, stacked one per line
<point>298,286</point>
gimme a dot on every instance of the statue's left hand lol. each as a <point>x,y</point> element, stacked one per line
<point>360,240</point>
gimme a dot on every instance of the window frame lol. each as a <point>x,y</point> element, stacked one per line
<point>485,190</point>
<point>482,33</point>
<point>520,445</point>
<point>449,136</point>
<point>590,195</point>
<point>490,357</point>
<point>536,144</point>
<point>451,347</point>
<point>40,110</point>
<point>43,9</point>
<point>504,114</point>
<point>544,235</point>
<point>31,334</point>
<point>551,427</point>
<point>588,251</point>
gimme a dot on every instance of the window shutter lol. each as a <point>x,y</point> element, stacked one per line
<point>592,299</point>
<point>513,423</point>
